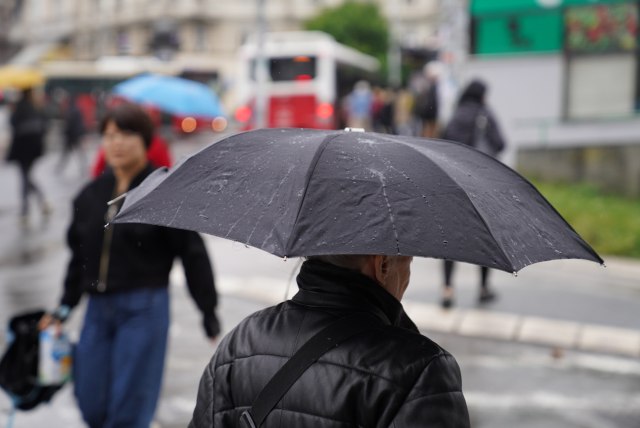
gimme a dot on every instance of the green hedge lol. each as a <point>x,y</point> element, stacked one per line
<point>609,223</point>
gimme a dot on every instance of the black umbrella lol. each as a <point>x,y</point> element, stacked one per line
<point>301,192</point>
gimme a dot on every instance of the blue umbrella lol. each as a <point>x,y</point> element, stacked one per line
<point>172,94</point>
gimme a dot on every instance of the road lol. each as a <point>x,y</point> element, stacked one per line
<point>525,360</point>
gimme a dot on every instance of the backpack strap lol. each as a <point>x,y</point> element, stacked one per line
<point>328,338</point>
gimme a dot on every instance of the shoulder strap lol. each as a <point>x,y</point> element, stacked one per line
<point>327,339</point>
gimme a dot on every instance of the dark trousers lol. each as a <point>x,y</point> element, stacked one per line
<point>448,273</point>
<point>28,186</point>
<point>119,360</point>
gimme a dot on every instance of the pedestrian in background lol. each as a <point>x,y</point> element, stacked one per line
<point>119,359</point>
<point>360,106</point>
<point>74,130</point>
<point>387,375</point>
<point>427,103</point>
<point>383,111</point>
<point>28,127</point>
<point>403,121</point>
<point>472,124</point>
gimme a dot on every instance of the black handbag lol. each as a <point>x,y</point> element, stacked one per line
<point>19,364</point>
<point>328,338</point>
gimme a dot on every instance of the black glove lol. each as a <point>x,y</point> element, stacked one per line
<point>211,325</point>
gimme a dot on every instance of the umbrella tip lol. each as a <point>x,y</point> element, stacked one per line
<point>603,265</point>
<point>354,129</point>
<point>515,274</point>
<point>284,259</point>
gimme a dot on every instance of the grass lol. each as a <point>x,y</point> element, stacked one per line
<point>609,223</point>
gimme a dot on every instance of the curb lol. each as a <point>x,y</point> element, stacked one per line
<point>467,322</point>
<point>526,329</point>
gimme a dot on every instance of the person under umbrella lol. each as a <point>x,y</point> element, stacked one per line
<point>388,375</point>
<point>472,124</point>
<point>119,360</point>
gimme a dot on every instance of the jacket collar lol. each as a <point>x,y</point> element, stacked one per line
<point>148,169</point>
<point>325,285</point>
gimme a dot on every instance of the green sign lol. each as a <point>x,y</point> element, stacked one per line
<point>534,32</point>
<point>484,7</point>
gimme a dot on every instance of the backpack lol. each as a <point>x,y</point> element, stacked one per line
<point>426,104</point>
<point>19,364</point>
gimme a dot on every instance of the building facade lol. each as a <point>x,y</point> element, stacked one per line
<point>194,34</point>
<point>564,79</point>
<point>9,10</point>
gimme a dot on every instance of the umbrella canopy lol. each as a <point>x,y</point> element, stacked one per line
<point>300,192</point>
<point>172,94</point>
<point>19,77</point>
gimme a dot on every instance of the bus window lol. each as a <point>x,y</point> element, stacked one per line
<point>298,68</point>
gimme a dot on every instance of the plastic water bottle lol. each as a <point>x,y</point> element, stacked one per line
<point>54,365</point>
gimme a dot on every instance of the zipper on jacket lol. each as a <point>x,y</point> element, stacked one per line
<point>106,249</point>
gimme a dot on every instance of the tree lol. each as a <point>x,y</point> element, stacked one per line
<point>356,24</point>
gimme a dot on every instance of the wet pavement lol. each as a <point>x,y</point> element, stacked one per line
<point>507,382</point>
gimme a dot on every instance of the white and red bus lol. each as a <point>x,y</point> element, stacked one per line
<point>308,74</point>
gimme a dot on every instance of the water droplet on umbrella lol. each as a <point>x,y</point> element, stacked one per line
<point>445,242</point>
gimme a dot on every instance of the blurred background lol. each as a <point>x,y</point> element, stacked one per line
<point>559,348</point>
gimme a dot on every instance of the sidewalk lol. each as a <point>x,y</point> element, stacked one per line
<point>471,322</point>
<point>267,283</point>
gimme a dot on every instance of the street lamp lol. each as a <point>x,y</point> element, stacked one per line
<point>394,56</point>
<point>261,69</point>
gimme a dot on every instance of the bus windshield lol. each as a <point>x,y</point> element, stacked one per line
<point>287,69</point>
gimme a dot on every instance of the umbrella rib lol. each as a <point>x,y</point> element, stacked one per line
<point>505,256</point>
<point>582,242</point>
<point>386,199</point>
<point>314,164</point>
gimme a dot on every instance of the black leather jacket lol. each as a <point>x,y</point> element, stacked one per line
<point>388,376</point>
<point>134,255</point>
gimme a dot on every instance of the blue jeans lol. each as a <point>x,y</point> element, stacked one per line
<point>119,360</point>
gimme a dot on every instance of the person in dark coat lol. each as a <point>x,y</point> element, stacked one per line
<point>74,130</point>
<point>28,126</point>
<point>387,376</point>
<point>472,124</point>
<point>119,359</point>
<point>427,104</point>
